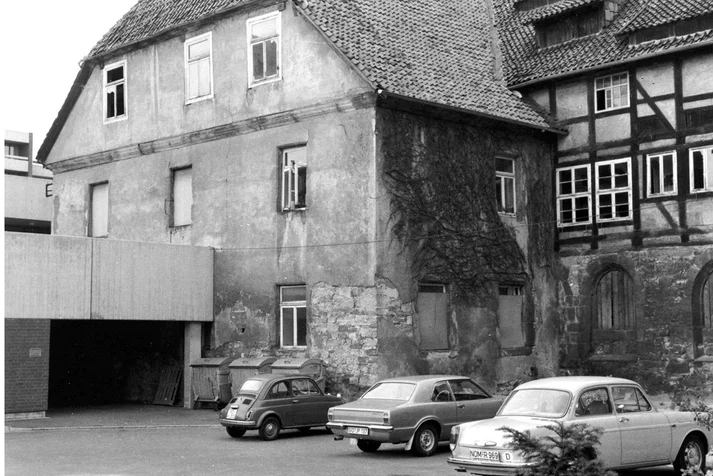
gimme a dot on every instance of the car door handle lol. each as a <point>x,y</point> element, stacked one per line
<point>295,401</point>
<point>460,405</point>
<point>623,419</point>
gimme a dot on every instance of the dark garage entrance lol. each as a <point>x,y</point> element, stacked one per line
<point>105,362</point>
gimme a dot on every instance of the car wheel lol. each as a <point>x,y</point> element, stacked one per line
<point>368,446</point>
<point>270,429</point>
<point>425,441</point>
<point>691,455</point>
<point>235,432</point>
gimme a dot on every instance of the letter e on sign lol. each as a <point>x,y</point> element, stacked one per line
<point>35,352</point>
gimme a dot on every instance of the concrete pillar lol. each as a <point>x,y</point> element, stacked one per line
<point>191,352</point>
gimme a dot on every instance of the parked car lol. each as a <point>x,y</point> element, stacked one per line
<point>418,410</point>
<point>272,402</point>
<point>635,434</point>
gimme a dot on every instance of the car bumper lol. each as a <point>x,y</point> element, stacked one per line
<point>381,433</point>
<point>248,425</point>
<point>485,469</point>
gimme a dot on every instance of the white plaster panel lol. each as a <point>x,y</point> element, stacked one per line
<point>656,79</point>
<point>693,70</point>
<point>571,100</point>
<point>578,136</point>
<point>613,128</point>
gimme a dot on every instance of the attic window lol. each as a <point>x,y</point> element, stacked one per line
<point>264,48</point>
<point>115,91</point>
<point>563,28</point>
<point>679,28</point>
<point>525,5</point>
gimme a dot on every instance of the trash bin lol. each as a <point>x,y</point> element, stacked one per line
<point>312,367</point>
<point>209,379</point>
<point>243,369</point>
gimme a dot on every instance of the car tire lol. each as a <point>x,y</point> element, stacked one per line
<point>425,440</point>
<point>691,455</point>
<point>235,432</point>
<point>270,429</point>
<point>368,446</point>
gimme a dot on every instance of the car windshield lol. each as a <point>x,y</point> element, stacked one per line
<point>390,391</point>
<point>542,403</point>
<point>251,386</point>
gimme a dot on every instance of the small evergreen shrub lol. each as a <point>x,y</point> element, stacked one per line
<point>569,451</point>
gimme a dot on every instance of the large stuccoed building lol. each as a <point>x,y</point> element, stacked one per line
<point>471,187</point>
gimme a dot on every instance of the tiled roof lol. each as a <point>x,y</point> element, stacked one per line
<point>525,62</point>
<point>555,9</point>
<point>661,12</point>
<point>433,51</point>
<point>148,18</point>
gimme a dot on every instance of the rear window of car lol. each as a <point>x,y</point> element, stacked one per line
<point>542,403</point>
<point>251,386</point>
<point>390,391</point>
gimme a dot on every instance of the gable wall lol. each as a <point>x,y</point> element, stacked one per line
<point>311,72</point>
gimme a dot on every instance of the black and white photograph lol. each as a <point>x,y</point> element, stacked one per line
<point>358,237</point>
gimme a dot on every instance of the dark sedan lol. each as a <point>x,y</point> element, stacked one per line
<point>272,402</point>
<point>419,411</point>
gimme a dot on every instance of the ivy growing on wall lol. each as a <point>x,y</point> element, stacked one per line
<point>441,179</point>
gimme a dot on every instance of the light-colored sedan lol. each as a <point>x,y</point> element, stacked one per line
<point>635,434</point>
<point>419,411</point>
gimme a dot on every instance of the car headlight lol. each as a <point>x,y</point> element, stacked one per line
<point>455,434</point>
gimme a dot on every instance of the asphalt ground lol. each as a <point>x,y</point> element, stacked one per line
<point>120,416</point>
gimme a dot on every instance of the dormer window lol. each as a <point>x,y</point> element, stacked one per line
<point>575,24</point>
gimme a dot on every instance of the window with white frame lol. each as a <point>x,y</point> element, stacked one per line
<point>294,178</point>
<point>505,185</point>
<point>114,91</point>
<point>199,68</point>
<point>613,190</point>
<point>661,174</point>
<point>573,196</point>
<point>264,48</point>
<point>701,169</point>
<point>99,206</point>
<point>611,92</point>
<point>182,196</point>
<point>293,316</point>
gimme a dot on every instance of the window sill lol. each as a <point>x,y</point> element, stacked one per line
<point>254,84</point>
<point>180,227</point>
<point>199,99</point>
<point>115,119</point>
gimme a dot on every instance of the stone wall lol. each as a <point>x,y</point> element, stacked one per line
<point>662,351</point>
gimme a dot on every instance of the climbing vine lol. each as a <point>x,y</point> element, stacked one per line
<point>440,177</point>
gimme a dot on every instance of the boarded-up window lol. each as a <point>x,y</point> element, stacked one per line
<point>614,301</point>
<point>510,317</point>
<point>99,219</point>
<point>707,302</point>
<point>432,307</point>
<point>182,196</point>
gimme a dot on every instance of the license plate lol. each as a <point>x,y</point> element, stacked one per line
<point>484,455</point>
<point>352,430</point>
<point>232,413</point>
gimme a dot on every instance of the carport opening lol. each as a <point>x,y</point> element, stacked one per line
<point>108,362</point>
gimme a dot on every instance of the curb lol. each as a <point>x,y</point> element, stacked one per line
<point>10,429</point>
